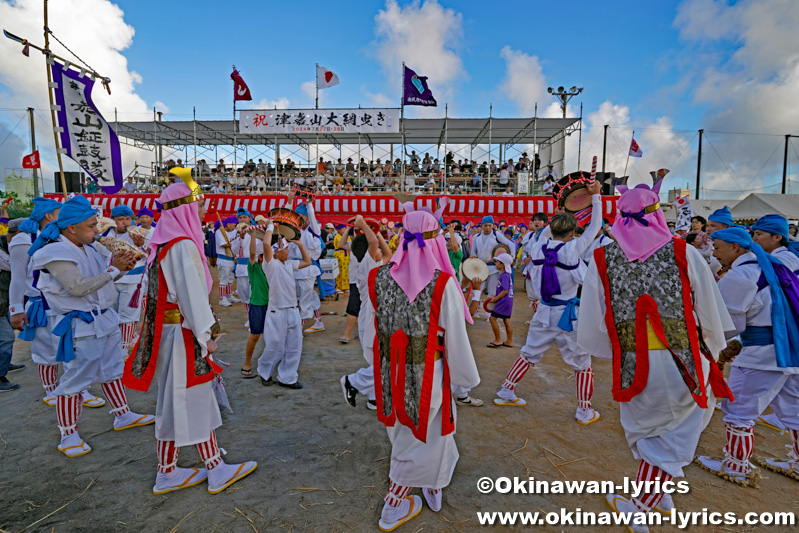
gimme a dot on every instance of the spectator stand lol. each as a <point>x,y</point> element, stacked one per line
<point>196,140</point>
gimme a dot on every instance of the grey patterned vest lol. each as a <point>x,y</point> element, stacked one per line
<point>395,314</point>
<point>659,278</point>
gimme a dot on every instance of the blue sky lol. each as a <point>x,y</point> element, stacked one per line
<point>662,68</point>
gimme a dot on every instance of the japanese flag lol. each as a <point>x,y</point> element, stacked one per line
<point>635,150</point>
<point>325,78</point>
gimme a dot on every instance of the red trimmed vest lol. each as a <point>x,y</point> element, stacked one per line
<point>140,366</point>
<point>657,291</point>
<point>408,343</point>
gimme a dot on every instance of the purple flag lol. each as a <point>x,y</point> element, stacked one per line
<point>86,137</point>
<point>416,91</point>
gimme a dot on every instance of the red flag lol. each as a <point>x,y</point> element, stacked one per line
<point>240,89</point>
<point>31,160</point>
<point>635,150</point>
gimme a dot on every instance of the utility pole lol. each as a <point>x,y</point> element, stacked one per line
<point>785,164</point>
<point>33,149</point>
<point>564,95</point>
<point>604,148</point>
<point>698,164</point>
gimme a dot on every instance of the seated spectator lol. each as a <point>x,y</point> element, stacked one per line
<point>477,182</point>
<point>457,190</point>
<point>482,169</point>
<point>366,191</point>
<point>435,167</point>
<point>338,167</point>
<point>337,190</point>
<point>289,167</point>
<point>260,182</point>
<point>511,167</point>
<point>220,167</point>
<point>507,192</point>
<point>493,168</point>
<point>350,167</point>
<point>129,186</point>
<point>388,169</point>
<point>456,168</point>
<point>279,169</point>
<point>321,166</point>
<point>397,167</point>
<point>217,188</point>
<point>410,181</point>
<point>249,166</point>
<point>504,176</point>
<point>549,184</point>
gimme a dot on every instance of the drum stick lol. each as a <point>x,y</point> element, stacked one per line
<point>224,233</point>
<point>593,172</point>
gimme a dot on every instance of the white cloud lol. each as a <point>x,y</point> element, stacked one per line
<point>426,36</point>
<point>524,83</point>
<point>752,89</point>
<point>93,29</point>
<point>161,106</point>
<point>280,103</point>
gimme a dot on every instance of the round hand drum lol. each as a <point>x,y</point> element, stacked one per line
<point>473,268</point>
<point>287,224</point>
<point>571,192</point>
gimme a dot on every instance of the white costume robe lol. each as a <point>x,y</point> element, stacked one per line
<point>482,248</point>
<point>364,379</point>
<point>755,379</point>
<point>98,344</point>
<point>186,415</point>
<point>430,465</point>
<point>305,277</point>
<point>44,344</point>
<point>241,249</point>
<point>662,423</point>
<point>226,263</point>
<point>544,329</point>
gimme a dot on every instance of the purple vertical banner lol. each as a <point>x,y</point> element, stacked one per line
<point>86,137</point>
<point>416,91</point>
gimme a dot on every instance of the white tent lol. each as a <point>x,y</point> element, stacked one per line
<point>756,205</point>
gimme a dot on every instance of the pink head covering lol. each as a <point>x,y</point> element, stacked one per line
<point>417,259</point>
<point>180,221</point>
<point>640,227</point>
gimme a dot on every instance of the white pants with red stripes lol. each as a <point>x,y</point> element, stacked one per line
<point>226,278</point>
<point>652,491</point>
<point>70,406</point>
<point>97,360</point>
<point>128,331</point>
<point>663,423</point>
<point>183,415</point>
<point>168,454</point>
<point>540,339</point>
<point>125,292</point>
<point>44,345</point>
<point>584,381</point>
<point>755,390</point>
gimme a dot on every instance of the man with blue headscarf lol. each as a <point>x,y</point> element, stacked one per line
<point>131,286</point>
<point>77,283</point>
<point>309,301</point>
<point>718,220</point>
<point>483,245</point>
<point>760,294</point>
<point>30,313</point>
<point>241,249</point>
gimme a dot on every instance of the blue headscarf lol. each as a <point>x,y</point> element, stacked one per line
<point>784,312</point>
<point>73,211</point>
<point>722,216</point>
<point>121,211</point>
<point>774,224</point>
<point>243,211</point>
<point>41,207</point>
<point>302,209</point>
<point>145,211</point>
<point>488,219</point>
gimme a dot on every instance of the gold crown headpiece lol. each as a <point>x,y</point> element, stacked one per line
<point>196,192</point>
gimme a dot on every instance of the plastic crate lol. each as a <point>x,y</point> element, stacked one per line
<point>329,268</point>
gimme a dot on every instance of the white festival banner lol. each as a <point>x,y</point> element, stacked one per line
<point>301,121</point>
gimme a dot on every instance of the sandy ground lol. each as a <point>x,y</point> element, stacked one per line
<point>323,466</point>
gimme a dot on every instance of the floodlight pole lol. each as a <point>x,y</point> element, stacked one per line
<point>698,164</point>
<point>784,164</point>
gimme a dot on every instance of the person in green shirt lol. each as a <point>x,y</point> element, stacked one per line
<point>454,248</point>
<point>259,299</point>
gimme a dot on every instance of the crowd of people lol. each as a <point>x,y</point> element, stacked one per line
<point>686,320</point>
<point>415,174</point>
